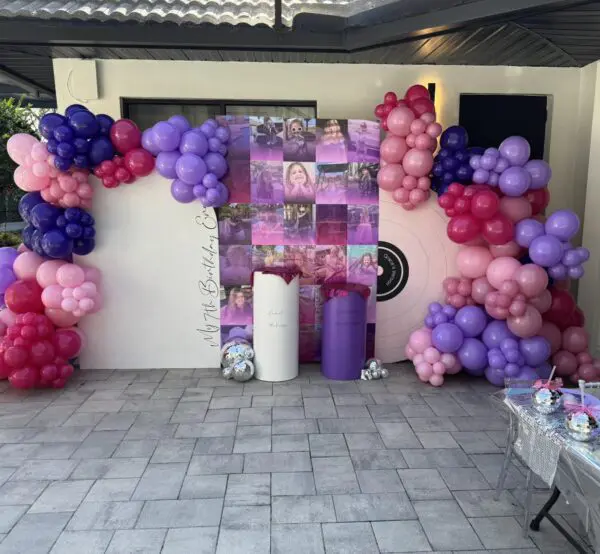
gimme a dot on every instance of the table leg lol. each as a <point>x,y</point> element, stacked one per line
<point>535,522</point>
<point>529,488</point>
<point>505,464</point>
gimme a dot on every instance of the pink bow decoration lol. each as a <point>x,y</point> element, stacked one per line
<point>555,384</point>
<point>576,407</point>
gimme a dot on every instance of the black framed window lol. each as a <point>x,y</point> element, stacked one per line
<point>146,112</point>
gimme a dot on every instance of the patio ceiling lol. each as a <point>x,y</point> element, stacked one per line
<point>557,33</point>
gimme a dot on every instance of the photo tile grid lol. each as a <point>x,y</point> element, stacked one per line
<point>304,194</point>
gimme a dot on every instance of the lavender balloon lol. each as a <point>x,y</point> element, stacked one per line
<point>8,255</point>
<point>496,332</point>
<point>527,230</point>
<point>190,169</point>
<point>545,251</point>
<point>540,173</point>
<point>562,224</point>
<point>447,337</point>
<point>165,164</point>
<point>193,143</point>
<point>473,356</point>
<point>182,192</point>
<point>180,123</point>
<point>516,150</point>
<point>514,181</point>
<point>167,136</point>
<point>471,320</point>
<point>149,142</point>
<point>535,350</point>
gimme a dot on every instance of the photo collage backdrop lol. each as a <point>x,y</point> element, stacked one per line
<point>303,193</point>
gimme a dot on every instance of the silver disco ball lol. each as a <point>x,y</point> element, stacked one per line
<point>234,351</point>
<point>243,371</point>
<point>582,426</point>
<point>546,401</point>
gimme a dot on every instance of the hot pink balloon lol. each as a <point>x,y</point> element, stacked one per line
<point>60,318</point>
<point>473,261</point>
<point>510,249</point>
<point>46,273</point>
<point>393,148</point>
<point>390,177</point>
<point>527,325</point>
<point>515,208</point>
<point>501,269</point>
<point>417,163</point>
<point>575,340</point>
<point>26,265</point>
<point>399,120</point>
<point>70,275</point>
<point>532,279</point>
<point>52,296</point>
<point>552,334</point>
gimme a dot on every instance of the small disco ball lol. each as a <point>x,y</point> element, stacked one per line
<point>227,372</point>
<point>243,371</point>
<point>546,401</point>
<point>384,373</point>
<point>582,426</point>
<point>373,363</point>
<point>234,351</point>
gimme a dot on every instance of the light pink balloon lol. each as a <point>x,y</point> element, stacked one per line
<point>552,334</point>
<point>86,304</point>
<point>69,304</point>
<point>409,352</point>
<point>532,279</point>
<point>434,130</point>
<point>92,274</point>
<point>417,127</point>
<point>527,325</point>
<point>436,380</point>
<point>26,265</point>
<point>67,292</point>
<point>515,208</point>
<point>542,302</point>
<point>90,288</point>
<point>390,177</point>
<point>85,190</point>
<point>67,183</point>
<point>19,146</point>
<point>60,318</point>
<point>8,317</point>
<point>575,340</point>
<point>431,355</point>
<point>392,149</point>
<point>501,269</point>
<point>510,249</point>
<point>70,275</point>
<point>423,141</point>
<point>418,358</point>
<point>52,296</point>
<point>46,273</point>
<point>40,169</point>
<point>424,371</point>
<point>417,163</point>
<point>420,340</point>
<point>438,368</point>
<point>473,261</point>
<point>480,288</point>
<point>428,117</point>
<point>399,120</point>
<point>22,248</point>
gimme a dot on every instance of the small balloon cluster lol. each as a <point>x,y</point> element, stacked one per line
<point>451,163</point>
<point>237,357</point>
<point>135,161</point>
<point>509,168</point>
<point>56,232</point>
<point>549,245</point>
<point>77,138</point>
<point>193,157</point>
<point>36,171</point>
<point>407,151</point>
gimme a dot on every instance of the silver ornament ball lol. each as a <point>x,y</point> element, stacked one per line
<point>546,401</point>
<point>582,427</point>
<point>384,373</point>
<point>235,351</point>
<point>376,373</point>
<point>243,371</point>
<point>373,363</point>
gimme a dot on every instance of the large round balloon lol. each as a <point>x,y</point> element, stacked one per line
<point>24,296</point>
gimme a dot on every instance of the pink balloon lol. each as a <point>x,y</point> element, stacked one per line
<point>423,142</point>
<point>401,195</point>
<point>70,200</point>
<point>85,190</point>
<point>438,368</point>
<point>40,169</point>
<point>428,117</point>
<point>480,289</point>
<point>92,274</point>
<point>417,196</point>
<point>575,340</point>
<point>448,360</point>
<point>399,120</point>
<point>86,304</point>
<point>409,352</point>
<point>584,358</point>
<point>60,318</point>
<point>52,296</point>
<point>431,355</point>
<point>19,146</point>
<point>411,140</point>
<point>542,302</point>
<point>587,372</point>
<point>436,380</point>
<point>390,177</point>
<point>69,304</point>
<point>46,273</point>
<point>532,279</point>
<point>410,183</point>
<point>424,183</point>
<point>39,153</point>
<point>70,275</point>
<point>501,269</point>
<point>473,261</point>
<point>417,127</point>
<point>8,317</point>
<point>22,248</point>
<point>392,149</point>
<point>510,249</point>
<point>418,359</point>
<point>417,163</point>
<point>527,325</point>
<point>515,208</point>
<point>424,371</point>
<point>565,362</point>
<point>434,130</point>
<point>420,340</point>
<point>552,334</point>
<point>26,265</point>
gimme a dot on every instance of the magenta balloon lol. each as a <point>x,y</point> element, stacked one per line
<point>540,173</point>
<point>516,150</point>
<point>390,177</point>
<point>399,120</point>
<point>514,181</point>
<point>417,163</point>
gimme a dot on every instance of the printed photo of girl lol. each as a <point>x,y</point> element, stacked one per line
<point>362,265</point>
<point>330,264</point>
<point>267,256</point>
<point>303,258</point>
<point>363,224</point>
<point>332,184</point>
<point>267,224</point>
<point>332,137</point>
<point>364,141</point>
<point>236,305</point>
<point>266,182</point>
<point>362,184</point>
<point>236,264</point>
<point>266,138</point>
<point>235,224</point>
<point>299,224</point>
<point>332,224</point>
<point>299,182</point>
<point>300,138</point>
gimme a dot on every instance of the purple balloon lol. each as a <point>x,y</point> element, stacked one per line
<point>165,164</point>
<point>496,359</point>
<point>527,230</point>
<point>190,169</point>
<point>449,310</point>
<point>571,258</point>
<point>535,350</point>
<point>429,322</point>
<point>512,370</point>
<point>199,191</point>
<point>182,192</point>
<point>501,165</point>
<point>473,356</point>
<point>101,149</point>
<point>208,129</point>
<point>512,356</point>
<point>8,255</point>
<point>216,164</point>
<point>439,318</point>
<point>210,181</point>
<point>545,251</point>
<point>540,173</point>
<point>527,374</point>
<point>223,134</point>
<point>214,144</point>
<point>435,307</point>
<point>167,136</point>
<point>583,253</point>
<point>474,161</point>
<point>447,337</point>
<point>495,376</point>
<point>193,143</point>
<point>509,344</point>
<point>471,320</point>
<point>493,179</point>
<point>180,122</point>
<point>516,150</point>
<point>558,272</point>
<point>480,176</point>
<point>495,332</point>
<point>544,370</point>
<point>487,162</point>
<point>7,278</point>
<point>223,195</point>
<point>149,142</point>
<point>576,272</point>
<point>514,181</point>
<point>562,224</point>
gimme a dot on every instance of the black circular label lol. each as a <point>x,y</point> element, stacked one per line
<point>393,271</point>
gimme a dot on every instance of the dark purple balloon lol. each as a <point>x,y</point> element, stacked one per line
<point>62,164</point>
<point>84,124</point>
<point>27,203</point>
<point>495,376</point>
<point>105,122</point>
<point>49,122</point>
<point>454,138</point>
<point>101,149</point>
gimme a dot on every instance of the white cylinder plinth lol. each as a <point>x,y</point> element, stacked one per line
<point>276,327</point>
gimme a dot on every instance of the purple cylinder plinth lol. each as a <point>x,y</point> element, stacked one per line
<point>343,345</point>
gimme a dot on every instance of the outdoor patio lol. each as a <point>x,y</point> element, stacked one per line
<point>182,461</point>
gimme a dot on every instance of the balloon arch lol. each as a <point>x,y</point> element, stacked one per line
<point>508,313</point>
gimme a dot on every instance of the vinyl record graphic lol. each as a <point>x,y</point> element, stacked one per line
<point>414,255</point>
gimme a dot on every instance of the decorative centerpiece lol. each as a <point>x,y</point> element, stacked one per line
<point>581,421</point>
<point>236,360</point>
<point>547,397</point>
<point>374,370</point>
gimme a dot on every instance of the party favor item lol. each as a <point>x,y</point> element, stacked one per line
<point>581,422</point>
<point>547,396</point>
<point>276,323</point>
<point>374,370</point>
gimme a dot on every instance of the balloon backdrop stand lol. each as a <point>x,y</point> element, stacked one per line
<point>507,312</point>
